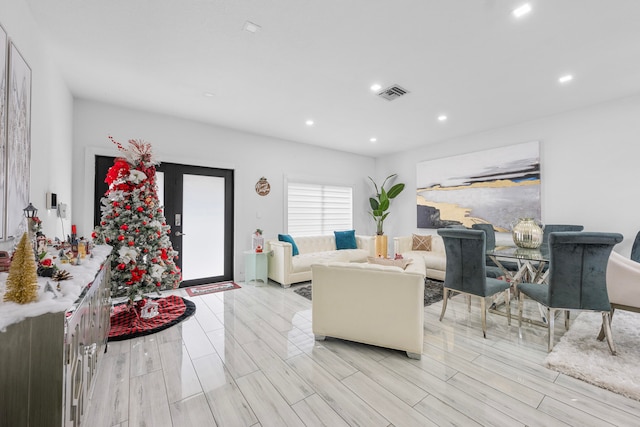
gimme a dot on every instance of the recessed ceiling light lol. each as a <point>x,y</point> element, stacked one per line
<point>565,79</point>
<point>442,118</point>
<point>309,122</point>
<point>373,139</point>
<point>376,87</point>
<point>251,27</point>
<point>519,12</point>
<point>208,94</point>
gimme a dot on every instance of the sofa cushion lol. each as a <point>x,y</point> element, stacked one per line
<point>303,262</point>
<point>345,239</point>
<point>289,239</point>
<point>421,243</point>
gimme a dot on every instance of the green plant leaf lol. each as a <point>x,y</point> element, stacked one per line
<point>374,203</point>
<point>395,190</point>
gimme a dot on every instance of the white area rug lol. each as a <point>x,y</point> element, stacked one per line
<point>580,355</point>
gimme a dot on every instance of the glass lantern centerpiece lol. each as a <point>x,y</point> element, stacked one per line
<point>527,233</point>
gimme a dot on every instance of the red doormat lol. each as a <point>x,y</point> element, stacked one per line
<point>194,291</point>
<point>126,322</point>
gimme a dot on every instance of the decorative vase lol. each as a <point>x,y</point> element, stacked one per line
<point>527,233</point>
<point>381,246</point>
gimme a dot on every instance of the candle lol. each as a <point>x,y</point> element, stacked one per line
<point>73,229</point>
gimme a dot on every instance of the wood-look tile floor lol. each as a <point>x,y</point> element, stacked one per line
<point>248,358</point>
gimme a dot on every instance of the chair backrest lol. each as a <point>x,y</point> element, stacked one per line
<point>489,234</point>
<point>465,253</point>
<point>552,228</point>
<point>577,269</point>
<point>635,249</point>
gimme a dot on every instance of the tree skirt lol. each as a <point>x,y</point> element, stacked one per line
<point>126,322</point>
<point>432,291</point>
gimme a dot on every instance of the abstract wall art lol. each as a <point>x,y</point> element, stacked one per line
<point>18,141</point>
<point>4,59</point>
<point>495,186</point>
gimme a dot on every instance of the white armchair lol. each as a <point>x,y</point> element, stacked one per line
<point>623,285</point>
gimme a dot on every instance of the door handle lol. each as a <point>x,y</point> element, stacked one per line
<point>179,234</point>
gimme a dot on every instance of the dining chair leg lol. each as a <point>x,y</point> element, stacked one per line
<point>520,305</point>
<point>445,298</point>
<point>606,325</point>
<point>483,308</point>
<point>601,334</point>
<point>507,296</point>
<point>567,314</point>
<point>550,324</point>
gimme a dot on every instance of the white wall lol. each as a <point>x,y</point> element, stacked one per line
<point>187,142</point>
<point>51,114</point>
<point>589,166</point>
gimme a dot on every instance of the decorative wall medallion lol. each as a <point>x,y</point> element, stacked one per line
<point>262,186</point>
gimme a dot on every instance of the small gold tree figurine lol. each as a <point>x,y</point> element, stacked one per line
<point>22,283</point>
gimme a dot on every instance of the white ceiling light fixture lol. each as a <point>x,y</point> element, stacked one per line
<point>208,94</point>
<point>376,87</point>
<point>309,122</point>
<point>251,27</point>
<point>521,11</point>
<point>442,118</point>
<point>565,79</point>
<point>373,139</point>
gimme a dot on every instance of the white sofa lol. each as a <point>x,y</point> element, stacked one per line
<point>435,260</point>
<point>371,304</point>
<point>286,269</point>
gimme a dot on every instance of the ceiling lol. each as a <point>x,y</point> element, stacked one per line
<point>470,60</point>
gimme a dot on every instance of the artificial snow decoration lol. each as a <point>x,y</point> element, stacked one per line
<point>133,223</point>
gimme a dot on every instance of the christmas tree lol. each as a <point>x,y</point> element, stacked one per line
<point>22,283</point>
<point>133,223</point>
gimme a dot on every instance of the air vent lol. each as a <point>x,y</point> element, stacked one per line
<point>393,92</point>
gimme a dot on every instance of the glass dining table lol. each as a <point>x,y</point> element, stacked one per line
<point>532,267</point>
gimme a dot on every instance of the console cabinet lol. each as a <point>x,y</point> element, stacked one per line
<point>48,362</point>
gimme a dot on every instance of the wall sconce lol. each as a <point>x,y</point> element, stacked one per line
<point>30,211</point>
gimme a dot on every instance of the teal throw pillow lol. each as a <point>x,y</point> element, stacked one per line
<point>289,239</point>
<point>346,239</point>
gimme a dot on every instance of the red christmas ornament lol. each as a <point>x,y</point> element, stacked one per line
<point>144,222</point>
<point>131,243</point>
<point>124,227</point>
<point>121,237</point>
<point>116,204</point>
<point>158,284</point>
<point>140,209</point>
<point>103,223</point>
<point>128,207</point>
<point>94,235</point>
<point>122,266</point>
<point>107,240</point>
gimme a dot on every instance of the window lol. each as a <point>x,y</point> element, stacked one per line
<point>316,209</point>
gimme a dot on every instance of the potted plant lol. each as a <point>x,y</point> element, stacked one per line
<point>379,207</point>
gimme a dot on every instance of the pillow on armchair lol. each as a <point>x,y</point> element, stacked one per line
<point>421,243</point>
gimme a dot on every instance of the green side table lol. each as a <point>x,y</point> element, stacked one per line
<point>256,267</point>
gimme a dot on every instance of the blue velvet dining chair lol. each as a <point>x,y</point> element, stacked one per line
<point>552,228</point>
<point>577,279</point>
<point>635,249</point>
<point>466,270</point>
<point>493,270</point>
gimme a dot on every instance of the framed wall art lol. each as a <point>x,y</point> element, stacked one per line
<point>18,141</point>
<point>4,59</point>
<point>495,186</point>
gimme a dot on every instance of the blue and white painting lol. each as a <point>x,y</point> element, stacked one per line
<point>495,186</point>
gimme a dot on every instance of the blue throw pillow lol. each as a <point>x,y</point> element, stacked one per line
<point>287,238</point>
<point>346,239</point>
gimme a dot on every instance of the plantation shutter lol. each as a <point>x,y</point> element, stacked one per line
<point>315,209</point>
